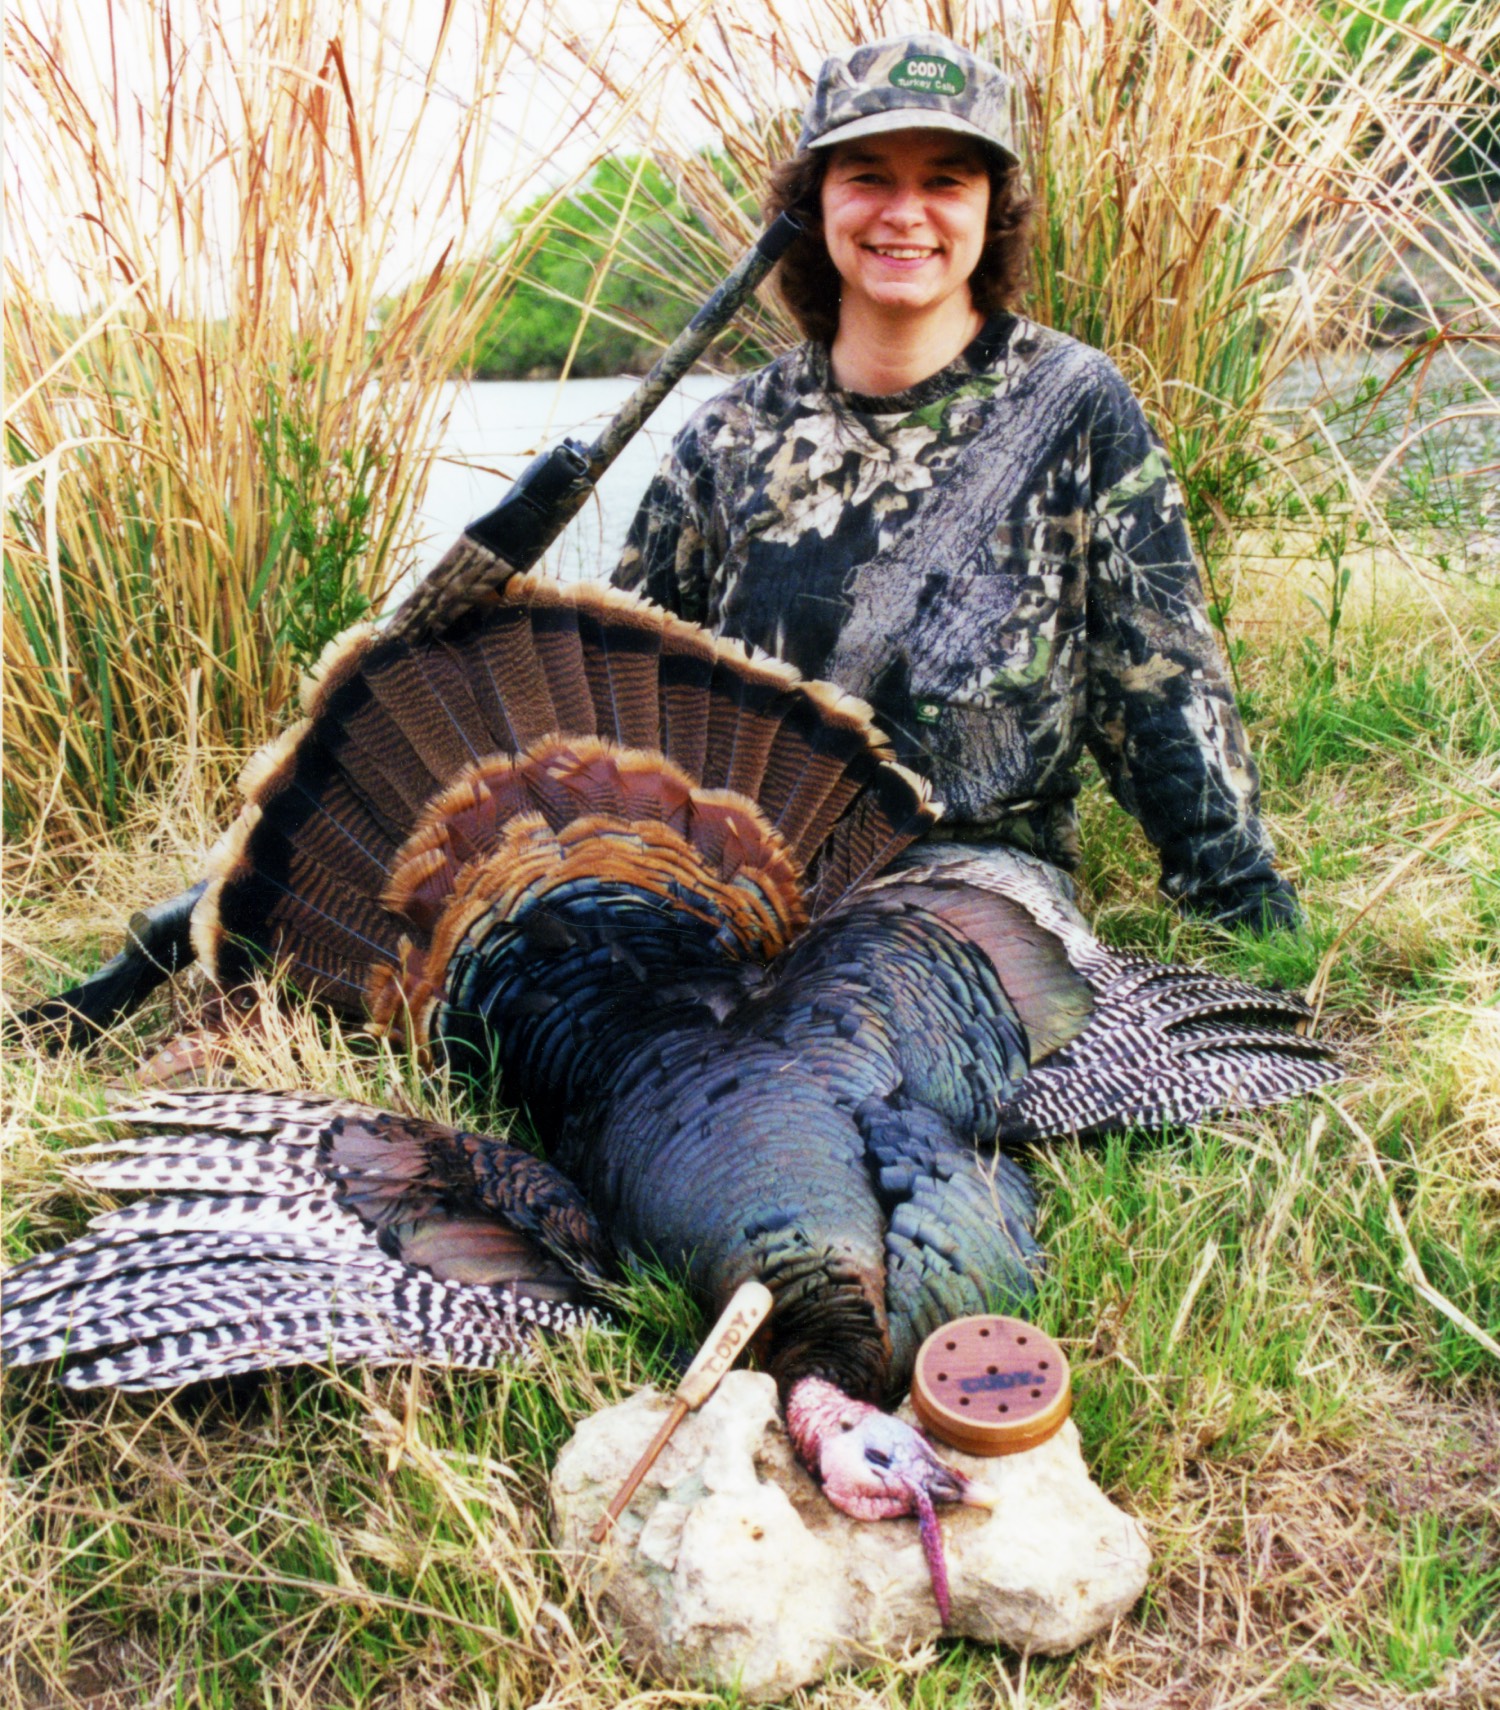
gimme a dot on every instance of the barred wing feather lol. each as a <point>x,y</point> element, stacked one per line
<point>288,1228</point>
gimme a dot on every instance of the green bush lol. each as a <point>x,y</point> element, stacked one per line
<point>600,259</point>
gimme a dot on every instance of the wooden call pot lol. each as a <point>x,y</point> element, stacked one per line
<point>990,1385</point>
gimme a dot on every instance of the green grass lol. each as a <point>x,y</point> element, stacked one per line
<point>1311,1438</point>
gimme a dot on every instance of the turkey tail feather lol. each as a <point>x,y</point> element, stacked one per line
<point>687,670</point>
<point>621,653</point>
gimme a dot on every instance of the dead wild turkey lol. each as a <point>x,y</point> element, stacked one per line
<point>558,835</point>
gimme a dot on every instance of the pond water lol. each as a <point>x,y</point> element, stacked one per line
<point>497,426</point>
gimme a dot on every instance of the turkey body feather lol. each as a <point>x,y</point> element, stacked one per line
<point>646,879</point>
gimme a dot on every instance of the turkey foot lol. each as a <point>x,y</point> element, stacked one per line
<point>195,1057</point>
<point>874,1467</point>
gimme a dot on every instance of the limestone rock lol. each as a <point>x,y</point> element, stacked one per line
<point>730,1569</point>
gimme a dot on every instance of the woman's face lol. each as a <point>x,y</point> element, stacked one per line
<point>903,217</point>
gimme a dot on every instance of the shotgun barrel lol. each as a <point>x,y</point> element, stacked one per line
<point>554,487</point>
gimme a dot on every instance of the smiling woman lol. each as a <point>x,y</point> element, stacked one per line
<point>811,281</point>
<point>955,512</point>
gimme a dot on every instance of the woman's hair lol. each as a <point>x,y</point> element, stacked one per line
<point>809,282</point>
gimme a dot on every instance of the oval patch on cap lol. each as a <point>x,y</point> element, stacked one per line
<point>929,74</point>
<point>991,1386</point>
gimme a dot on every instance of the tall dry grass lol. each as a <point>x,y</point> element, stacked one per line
<point>1220,187</point>
<point>214,440</point>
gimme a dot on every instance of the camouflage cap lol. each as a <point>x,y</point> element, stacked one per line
<point>916,82</point>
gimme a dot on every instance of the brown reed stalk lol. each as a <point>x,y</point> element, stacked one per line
<point>216,435</point>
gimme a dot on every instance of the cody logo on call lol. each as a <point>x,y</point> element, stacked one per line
<point>1002,1380</point>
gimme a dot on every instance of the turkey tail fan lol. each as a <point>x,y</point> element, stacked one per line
<point>290,1228</point>
<point>430,766</point>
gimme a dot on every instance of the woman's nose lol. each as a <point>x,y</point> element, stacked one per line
<point>904,207</point>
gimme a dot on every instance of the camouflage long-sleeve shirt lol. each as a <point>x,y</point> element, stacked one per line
<point>998,561</point>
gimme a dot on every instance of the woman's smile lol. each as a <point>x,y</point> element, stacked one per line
<point>900,257</point>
